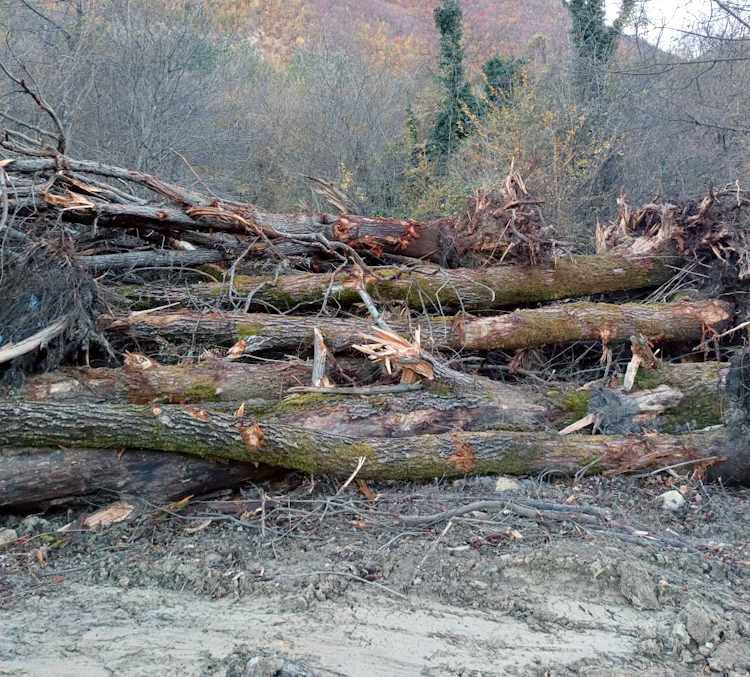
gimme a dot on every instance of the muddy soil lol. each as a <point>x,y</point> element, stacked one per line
<point>302,579</point>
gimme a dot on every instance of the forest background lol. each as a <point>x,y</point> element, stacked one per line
<point>406,106</point>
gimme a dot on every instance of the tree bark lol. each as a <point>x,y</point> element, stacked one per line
<point>33,478</point>
<point>159,259</point>
<point>703,386</point>
<point>492,225</point>
<point>140,382</point>
<point>694,397</point>
<point>257,331</point>
<point>209,434</point>
<point>429,287</point>
<point>681,321</point>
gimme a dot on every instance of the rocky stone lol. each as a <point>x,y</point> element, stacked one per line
<point>732,655</point>
<point>507,484</point>
<point>480,483</point>
<point>275,666</point>
<point>672,500</point>
<point>680,637</point>
<point>699,623</point>
<point>637,586</point>
<point>33,524</point>
<point>213,559</point>
<point>7,536</point>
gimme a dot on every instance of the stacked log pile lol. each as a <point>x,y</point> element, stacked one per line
<point>159,341</point>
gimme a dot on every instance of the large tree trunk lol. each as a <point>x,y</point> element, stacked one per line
<point>681,321</point>
<point>209,434</point>
<point>377,415</point>
<point>694,397</point>
<point>430,287</point>
<point>34,478</point>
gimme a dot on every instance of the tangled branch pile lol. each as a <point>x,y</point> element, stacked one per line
<point>204,328</point>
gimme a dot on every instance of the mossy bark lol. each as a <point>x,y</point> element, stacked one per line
<point>208,434</point>
<point>437,409</point>
<point>701,384</point>
<point>431,287</point>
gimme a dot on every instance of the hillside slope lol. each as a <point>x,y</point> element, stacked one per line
<point>492,26</point>
<point>399,30</point>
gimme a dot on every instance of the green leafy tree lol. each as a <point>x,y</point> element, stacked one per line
<point>459,106</point>
<point>500,78</point>
<point>594,43</point>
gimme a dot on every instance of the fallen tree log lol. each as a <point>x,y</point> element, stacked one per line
<point>193,211</point>
<point>703,386</point>
<point>608,323</point>
<point>142,380</point>
<point>680,321</point>
<point>694,397</point>
<point>209,434</point>
<point>159,259</point>
<point>429,287</point>
<point>35,478</point>
<point>500,226</point>
<point>673,398</point>
<point>257,331</point>
<point>261,387</point>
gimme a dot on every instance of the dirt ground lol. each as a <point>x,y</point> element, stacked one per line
<point>302,578</point>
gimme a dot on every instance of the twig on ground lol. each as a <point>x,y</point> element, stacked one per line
<point>430,550</point>
<point>345,574</point>
<point>549,511</point>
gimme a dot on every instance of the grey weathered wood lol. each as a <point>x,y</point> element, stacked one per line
<point>158,259</point>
